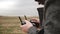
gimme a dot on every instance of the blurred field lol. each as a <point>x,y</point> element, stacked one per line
<point>11,25</point>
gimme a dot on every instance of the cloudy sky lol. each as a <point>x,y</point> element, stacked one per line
<point>18,8</point>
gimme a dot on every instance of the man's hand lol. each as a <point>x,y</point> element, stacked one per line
<point>26,26</point>
<point>35,20</point>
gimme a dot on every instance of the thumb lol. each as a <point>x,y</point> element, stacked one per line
<point>27,22</point>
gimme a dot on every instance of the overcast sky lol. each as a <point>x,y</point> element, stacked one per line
<point>18,7</point>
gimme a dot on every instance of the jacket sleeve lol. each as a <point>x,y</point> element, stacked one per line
<point>32,30</point>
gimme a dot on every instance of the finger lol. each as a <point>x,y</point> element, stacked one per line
<point>22,26</point>
<point>35,20</point>
<point>27,22</point>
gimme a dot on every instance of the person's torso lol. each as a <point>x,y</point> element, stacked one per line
<point>52,7</point>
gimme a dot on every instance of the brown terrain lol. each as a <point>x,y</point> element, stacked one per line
<point>11,25</point>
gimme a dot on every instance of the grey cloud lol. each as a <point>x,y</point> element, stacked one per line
<point>22,7</point>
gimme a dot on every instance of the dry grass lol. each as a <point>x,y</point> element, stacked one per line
<point>10,25</point>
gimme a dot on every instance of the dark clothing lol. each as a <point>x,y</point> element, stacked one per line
<point>41,31</point>
<point>33,30</point>
<point>52,17</point>
<point>40,12</point>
